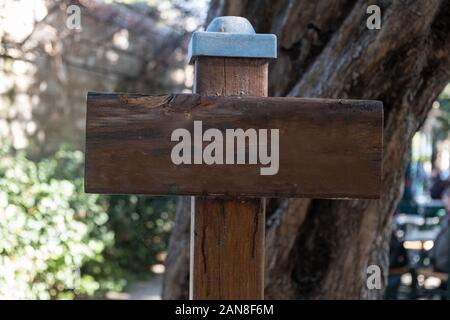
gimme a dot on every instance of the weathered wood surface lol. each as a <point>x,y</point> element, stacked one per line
<point>328,148</point>
<point>227,235</point>
<point>228,249</point>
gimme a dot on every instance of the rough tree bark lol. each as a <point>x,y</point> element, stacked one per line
<point>320,249</point>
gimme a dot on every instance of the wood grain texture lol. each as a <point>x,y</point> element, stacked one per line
<point>227,249</point>
<point>227,235</point>
<point>328,148</point>
<point>231,77</point>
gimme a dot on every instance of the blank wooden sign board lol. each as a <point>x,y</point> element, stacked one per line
<point>230,145</point>
<point>321,148</point>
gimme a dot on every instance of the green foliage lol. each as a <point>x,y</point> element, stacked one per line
<point>142,226</point>
<point>58,242</point>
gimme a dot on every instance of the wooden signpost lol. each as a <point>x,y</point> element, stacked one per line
<point>229,145</point>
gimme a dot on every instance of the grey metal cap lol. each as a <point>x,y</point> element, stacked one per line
<point>232,37</point>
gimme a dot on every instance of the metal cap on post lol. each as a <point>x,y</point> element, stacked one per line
<point>231,36</point>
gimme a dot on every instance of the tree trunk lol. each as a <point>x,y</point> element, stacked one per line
<point>320,249</point>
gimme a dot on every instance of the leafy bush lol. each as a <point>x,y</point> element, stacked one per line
<point>58,242</point>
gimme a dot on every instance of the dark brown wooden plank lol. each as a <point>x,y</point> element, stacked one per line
<point>227,235</point>
<point>328,148</point>
<point>229,245</point>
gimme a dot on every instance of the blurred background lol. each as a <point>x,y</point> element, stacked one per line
<point>56,242</point>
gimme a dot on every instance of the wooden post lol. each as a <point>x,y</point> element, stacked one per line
<point>141,144</point>
<point>227,235</point>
